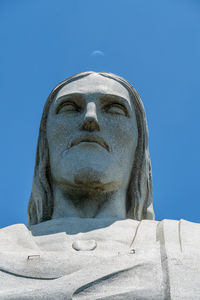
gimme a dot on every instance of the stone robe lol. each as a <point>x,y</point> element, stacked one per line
<point>132,260</point>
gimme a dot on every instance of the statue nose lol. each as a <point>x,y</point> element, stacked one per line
<point>90,122</point>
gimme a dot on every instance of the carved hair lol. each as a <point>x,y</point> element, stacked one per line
<point>139,193</point>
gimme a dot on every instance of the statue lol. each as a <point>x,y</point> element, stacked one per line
<point>91,231</point>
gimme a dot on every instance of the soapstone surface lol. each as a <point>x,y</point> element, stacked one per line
<point>91,232</point>
<point>132,260</point>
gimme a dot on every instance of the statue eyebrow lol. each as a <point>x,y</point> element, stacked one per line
<point>105,99</point>
<point>111,98</point>
<point>76,97</point>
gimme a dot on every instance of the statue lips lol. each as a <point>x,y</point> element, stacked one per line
<point>90,139</point>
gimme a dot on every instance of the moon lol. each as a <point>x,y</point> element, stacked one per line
<point>97,53</point>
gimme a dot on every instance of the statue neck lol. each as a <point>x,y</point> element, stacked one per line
<point>89,204</point>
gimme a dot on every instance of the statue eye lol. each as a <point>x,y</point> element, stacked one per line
<point>116,108</point>
<point>67,107</point>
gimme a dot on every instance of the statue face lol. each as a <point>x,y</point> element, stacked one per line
<point>92,134</point>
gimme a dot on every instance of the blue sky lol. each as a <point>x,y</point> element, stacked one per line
<point>154,44</point>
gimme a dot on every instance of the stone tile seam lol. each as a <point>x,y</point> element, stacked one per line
<point>164,261</point>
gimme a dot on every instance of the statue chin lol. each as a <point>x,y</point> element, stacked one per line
<point>88,179</point>
<point>91,174</point>
<point>93,180</point>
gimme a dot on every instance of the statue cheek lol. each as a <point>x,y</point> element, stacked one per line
<point>124,135</point>
<point>124,142</point>
<point>58,133</point>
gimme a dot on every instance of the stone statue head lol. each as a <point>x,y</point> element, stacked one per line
<point>93,139</point>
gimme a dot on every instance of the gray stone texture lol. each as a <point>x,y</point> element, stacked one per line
<point>132,260</point>
<point>92,233</point>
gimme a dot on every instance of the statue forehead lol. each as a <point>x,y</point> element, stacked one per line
<point>94,83</point>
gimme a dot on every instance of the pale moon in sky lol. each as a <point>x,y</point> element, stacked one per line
<point>97,53</point>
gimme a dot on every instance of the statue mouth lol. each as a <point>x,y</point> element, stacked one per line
<point>90,139</point>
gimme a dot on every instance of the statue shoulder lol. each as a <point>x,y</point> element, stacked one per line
<point>16,238</point>
<point>190,236</point>
<point>181,236</point>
